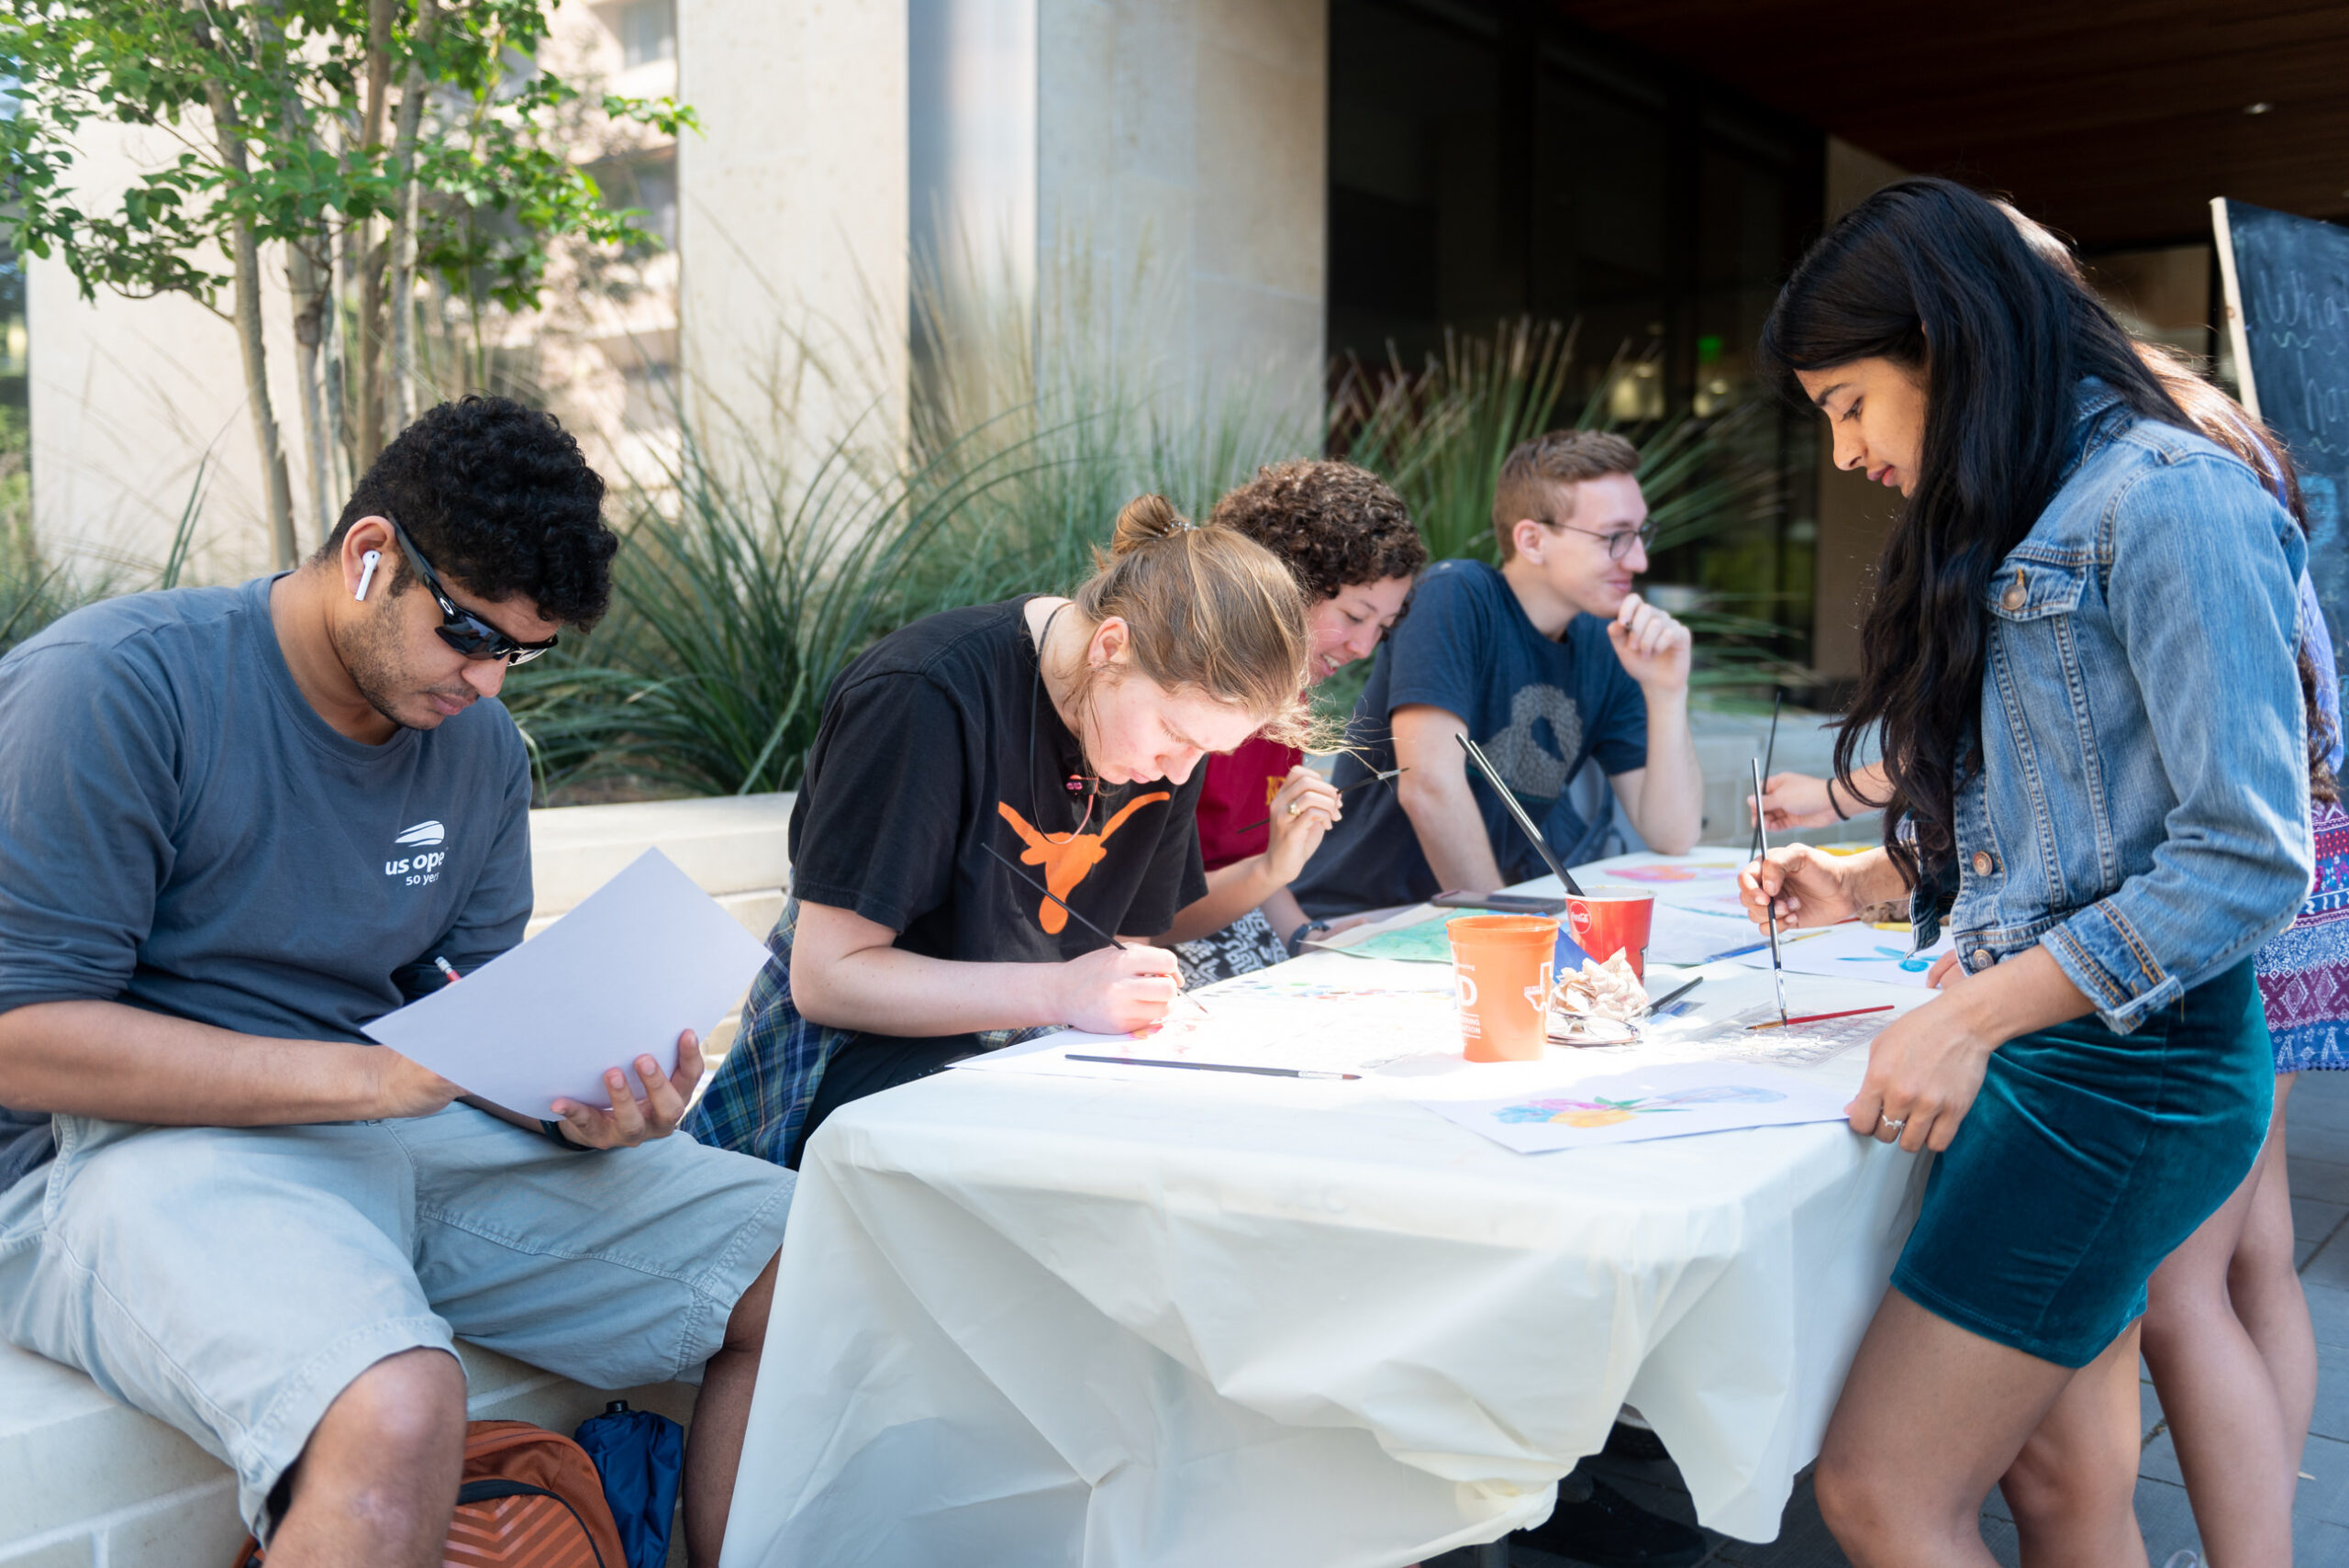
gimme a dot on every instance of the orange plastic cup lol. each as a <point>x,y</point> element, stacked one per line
<point>1612,920</point>
<point>1501,964</point>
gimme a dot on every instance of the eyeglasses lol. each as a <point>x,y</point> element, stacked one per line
<point>461,629</point>
<point>1619,543</point>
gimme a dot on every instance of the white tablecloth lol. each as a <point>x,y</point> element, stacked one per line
<point>1224,1321</point>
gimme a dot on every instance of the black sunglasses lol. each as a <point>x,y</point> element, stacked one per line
<point>461,629</point>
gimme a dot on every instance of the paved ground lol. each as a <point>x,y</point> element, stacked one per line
<point>2319,1146</point>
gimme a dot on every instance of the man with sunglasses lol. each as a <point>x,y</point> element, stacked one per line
<point>237,824</point>
<point>1548,662</point>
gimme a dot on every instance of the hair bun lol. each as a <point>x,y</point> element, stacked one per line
<point>1142,519</point>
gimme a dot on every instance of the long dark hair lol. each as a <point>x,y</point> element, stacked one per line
<point>1927,261</point>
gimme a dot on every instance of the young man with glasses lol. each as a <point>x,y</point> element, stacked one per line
<point>1547,662</point>
<point>237,824</point>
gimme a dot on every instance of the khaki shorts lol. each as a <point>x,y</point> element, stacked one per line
<point>233,1281</point>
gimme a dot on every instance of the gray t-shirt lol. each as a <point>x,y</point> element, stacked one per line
<point>180,830</point>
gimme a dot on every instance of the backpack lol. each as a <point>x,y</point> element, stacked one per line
<point>641,1456</point>
<point>530,1499</point>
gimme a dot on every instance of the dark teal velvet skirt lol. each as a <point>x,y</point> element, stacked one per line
<point>2086,1158</point>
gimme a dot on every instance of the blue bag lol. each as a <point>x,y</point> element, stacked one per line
<point>641,1457</point>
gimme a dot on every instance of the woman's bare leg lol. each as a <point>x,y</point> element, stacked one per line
<point>2073,1489</point>
<point>1929,1418</point>
<point>2264,1284</point>
<point>2219,1396</point>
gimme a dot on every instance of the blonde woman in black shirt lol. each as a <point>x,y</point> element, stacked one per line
<point>1041,737</point>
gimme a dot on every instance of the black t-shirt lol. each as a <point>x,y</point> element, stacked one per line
<point>939,739</point>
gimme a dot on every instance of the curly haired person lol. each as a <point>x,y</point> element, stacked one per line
<point>236,825</point>
<point>1348,541</point>
<point>1550,661</point>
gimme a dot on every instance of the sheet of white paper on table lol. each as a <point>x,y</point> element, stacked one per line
<point>1680,934</point>
<point>1316,1028</point>
<point>643,957</point>
<point>1854,951</point>
<point>1665,1100</point>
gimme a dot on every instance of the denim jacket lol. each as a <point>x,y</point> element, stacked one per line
<point>2141,806</point>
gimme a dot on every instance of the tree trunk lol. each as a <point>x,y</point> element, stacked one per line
<point>312,287</point>
<point>337,347</point>
<point>413,89</point>
<point>245,256</point>
<point>371,252</point>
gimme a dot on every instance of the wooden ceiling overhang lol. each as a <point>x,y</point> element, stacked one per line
<point>2115,121</point>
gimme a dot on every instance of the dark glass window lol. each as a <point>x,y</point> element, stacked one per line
<point>1601,230</point>
<point>1488,161</point>
<point>1415,198</point>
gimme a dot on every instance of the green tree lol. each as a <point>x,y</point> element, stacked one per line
<point>361,140</point>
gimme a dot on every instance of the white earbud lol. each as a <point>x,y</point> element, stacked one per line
<point>367,564</point>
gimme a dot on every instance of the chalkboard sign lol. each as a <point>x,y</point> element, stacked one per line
<point>2288,311</point>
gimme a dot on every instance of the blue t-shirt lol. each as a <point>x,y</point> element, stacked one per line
<point>1540,708</point>
<point>181,831</point>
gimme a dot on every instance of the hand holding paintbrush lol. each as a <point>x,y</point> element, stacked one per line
<point>1770,907</point>
<point>1297,806</point>
<point>1171,973</point>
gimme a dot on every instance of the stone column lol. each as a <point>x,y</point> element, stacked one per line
<point>1182,174</point>
<point>792,225</point>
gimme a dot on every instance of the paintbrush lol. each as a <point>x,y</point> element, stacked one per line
<point>1669,998</point>
<point>1770,923</point>
<point>1348,789</point>
<point>1822,1018</point>
<point>1769,755</point>
<point>1508,798</point>
<point>1015,869</point>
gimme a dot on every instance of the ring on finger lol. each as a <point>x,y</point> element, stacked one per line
<point>1892,1124</point>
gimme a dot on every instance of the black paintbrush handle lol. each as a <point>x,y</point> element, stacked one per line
<point>1517,812</point>
<point>1048,893</point>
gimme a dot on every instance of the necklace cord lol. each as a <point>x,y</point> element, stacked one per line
<point>1035,701</point>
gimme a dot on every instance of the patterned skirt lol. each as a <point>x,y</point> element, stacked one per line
<point>2304,971</point>
<point>1243,947</point>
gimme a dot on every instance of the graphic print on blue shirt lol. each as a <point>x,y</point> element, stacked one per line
<point>1540,708</point>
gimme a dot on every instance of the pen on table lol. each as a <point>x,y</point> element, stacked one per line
<point>1114,941</point>
<point>1210,1067</point>
<point>1295,808</point>
<point>1770,914</point>
<point>448,973</point>
<point>1508,798</point>
<point>1822,1018</point>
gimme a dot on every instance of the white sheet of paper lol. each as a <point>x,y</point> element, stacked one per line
<point>1677,934</point>
<point>643,957</point>
<point>1853,951</point>
<point>1667,1100</point>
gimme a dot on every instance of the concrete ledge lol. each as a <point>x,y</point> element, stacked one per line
<point>85,1482</point>
<point>89,1481</point>
<point>736,844</point>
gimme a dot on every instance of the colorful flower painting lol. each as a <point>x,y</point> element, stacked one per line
<point>1601,1111</point>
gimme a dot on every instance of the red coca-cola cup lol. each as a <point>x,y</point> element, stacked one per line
<point>1612,920</point>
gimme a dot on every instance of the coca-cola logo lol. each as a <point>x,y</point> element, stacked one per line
<point>1580,914</point>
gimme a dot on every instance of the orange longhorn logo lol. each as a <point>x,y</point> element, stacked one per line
<point>1068,861</point>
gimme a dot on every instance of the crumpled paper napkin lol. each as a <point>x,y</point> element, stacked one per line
<point>1607,990</point>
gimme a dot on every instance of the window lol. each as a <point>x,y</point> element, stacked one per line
<point>1416,204</point>
<point>648,32</point>
<point>1489,159</point>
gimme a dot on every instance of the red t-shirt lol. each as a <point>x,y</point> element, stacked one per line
<point>1238,796</point>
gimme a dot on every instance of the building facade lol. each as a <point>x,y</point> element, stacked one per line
<point>1219,194</point>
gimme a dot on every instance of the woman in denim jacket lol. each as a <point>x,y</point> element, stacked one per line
<point>2081,659</point>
